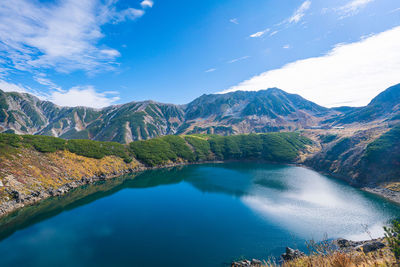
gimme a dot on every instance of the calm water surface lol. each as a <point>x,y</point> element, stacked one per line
<point>201,215</point>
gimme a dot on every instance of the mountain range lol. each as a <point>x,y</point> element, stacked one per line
<point>268,110</point>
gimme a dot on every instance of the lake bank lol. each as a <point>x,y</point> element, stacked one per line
<point>22,200</point>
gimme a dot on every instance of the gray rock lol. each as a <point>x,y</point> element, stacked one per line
<point>256,263</point>
<point>247,263</point>
<point>292,254</point>
<point>343,243</point>
<point>372,246</point>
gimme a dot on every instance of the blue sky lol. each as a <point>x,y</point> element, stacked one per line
<point>102,52</point>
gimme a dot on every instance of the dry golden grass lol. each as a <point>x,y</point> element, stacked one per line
<point>28,170</point>
<point>380,258</point>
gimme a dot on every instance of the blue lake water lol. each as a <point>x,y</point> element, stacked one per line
<point>199,215</point>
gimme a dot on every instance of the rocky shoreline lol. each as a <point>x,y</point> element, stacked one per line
<point>386,193</point>
<point>338,245</point>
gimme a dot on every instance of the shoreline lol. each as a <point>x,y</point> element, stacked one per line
<point>385,193</point>
<point>21,201</point>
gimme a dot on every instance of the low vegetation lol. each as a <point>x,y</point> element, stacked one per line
<point>274,147</point>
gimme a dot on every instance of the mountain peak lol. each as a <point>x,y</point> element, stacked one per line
<point>391,95</point>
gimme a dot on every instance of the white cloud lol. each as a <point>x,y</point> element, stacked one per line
<point>286,46</point>
<point>147,3</point>
<point>234,21</point>
<point>82,96</point>
<point>76,96</point>
<point>300,12</point>
<point>351,73</point>
<point>211,70</point>
<point>11,87</point>
<point>353,7</point>
<point>238,59</point>
<point>62,35</point>
<point>259,34</point>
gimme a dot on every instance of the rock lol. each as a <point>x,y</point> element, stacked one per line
<point>372,246</point>
<point>292,254</point>
<point>243,263</point>
<point>247,263</point>
<point>256,263</point>
<point>343,243</point>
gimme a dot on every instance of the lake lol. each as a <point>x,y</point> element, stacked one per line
<point>198,215</point>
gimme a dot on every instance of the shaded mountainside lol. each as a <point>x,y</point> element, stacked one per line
<point>33,168</point>
<point>384,107</point>
<point>270,110</point>
<point>365,158</point>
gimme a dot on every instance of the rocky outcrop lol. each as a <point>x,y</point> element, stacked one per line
<point>364,246</point>
<point>247,263</point>
<point>292,254</point>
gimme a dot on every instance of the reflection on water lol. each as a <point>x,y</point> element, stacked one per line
<point>212,213</point>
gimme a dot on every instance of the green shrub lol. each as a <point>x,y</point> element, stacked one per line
<point>153,152</point>
<point>179,146</point>
<point>201,147</point>
<point>392,235</point>
<point>44,143</point>
<point>98,150</point>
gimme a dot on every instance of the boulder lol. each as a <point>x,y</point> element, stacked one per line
<point>343,243</point>
<point>256,263</point>
<point>247,263</point>
<point>243,263</point>
<point>372,246</point>
<point>292,254</point>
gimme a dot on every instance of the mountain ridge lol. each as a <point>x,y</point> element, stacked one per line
<point>269,110</point>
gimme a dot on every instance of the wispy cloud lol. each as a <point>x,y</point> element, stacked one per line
<point>300,12</point>
<point>395,10</point>
<point>273,33</point>
<point>238,59</point>
<point>259,34</point>
<point>286,46</point>
<point>353,72</point>
<point>41,79</point>
<point>211,70</point>
<point>234,21</point>
<point>353,7</point>
<point>295,18</point>
<point>62,35</point>
<point>147,3</point>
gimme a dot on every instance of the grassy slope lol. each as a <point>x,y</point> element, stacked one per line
<point>32,164</point>
<point>381,161</point>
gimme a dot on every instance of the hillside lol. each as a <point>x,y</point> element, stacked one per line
<point>36,167</point>
<point>383,108</point>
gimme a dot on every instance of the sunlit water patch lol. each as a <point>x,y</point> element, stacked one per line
<point>202,215</point>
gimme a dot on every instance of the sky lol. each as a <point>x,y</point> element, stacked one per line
<point>103,52</point>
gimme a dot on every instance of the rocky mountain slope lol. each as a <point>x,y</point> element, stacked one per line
<point>261,111</point>
<point>268,110</point>
<point>26,114</point>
